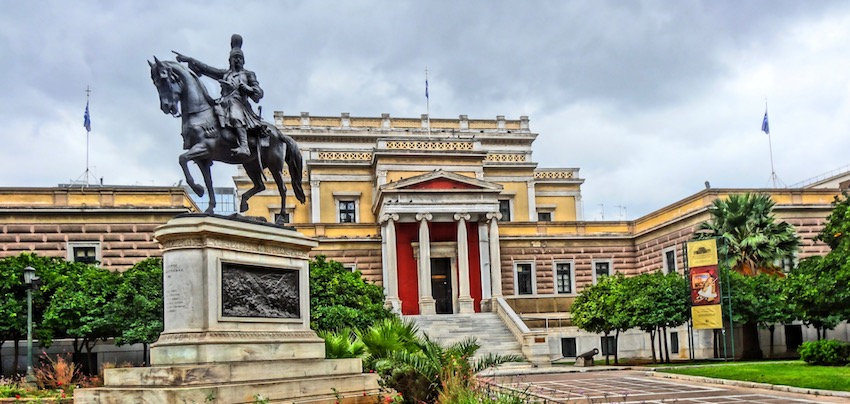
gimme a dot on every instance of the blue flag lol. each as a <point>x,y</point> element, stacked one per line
<point>426,89</point>
<point>87,118</point>
<point>764,126</point>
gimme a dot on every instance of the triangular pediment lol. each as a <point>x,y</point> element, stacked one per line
<point>442,180</point>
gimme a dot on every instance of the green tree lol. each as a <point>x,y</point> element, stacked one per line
<point>138,303</point>
<point>751,239</point>
<point>79,309</point>
<point>657,302</point>
<point>52,272</point>
<point>13,310</point>
<point>761,300</point>
<point>597,308</point>
<point>817,287</point>
<point>340,298</point>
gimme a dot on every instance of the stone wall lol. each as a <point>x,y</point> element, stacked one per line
<point>582,253</point>
<point>366,259</point>
<point>121,244</point>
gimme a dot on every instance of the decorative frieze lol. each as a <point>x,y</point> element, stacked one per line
<point>196,242</point>
<point>506,158</point>
<point>412,145</point>
<point>340,155</point>
<point>554,175</point>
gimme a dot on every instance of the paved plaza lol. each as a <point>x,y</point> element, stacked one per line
<point>638,387</point>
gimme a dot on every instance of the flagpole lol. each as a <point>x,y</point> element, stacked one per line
<point>88,133</point>
<point>87,124</point>
<point>774,179</point>
<point>427,103</point>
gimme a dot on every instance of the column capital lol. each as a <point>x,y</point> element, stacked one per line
<point>424,216</point>
<point>387,217</point>
<point>314,183</point>
<point>494,215</point>
<point>464,216</point>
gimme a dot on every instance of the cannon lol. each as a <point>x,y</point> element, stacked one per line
<point>586,359</point>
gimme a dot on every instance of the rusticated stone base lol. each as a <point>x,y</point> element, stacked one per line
<point>232,346</point>
<point>293,381</point>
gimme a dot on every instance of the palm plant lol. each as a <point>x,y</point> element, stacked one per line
<point>434,373</point>
<point>385,337</point>
<point>419,368</point>
<point>342,344</point>
<point>752,240</point>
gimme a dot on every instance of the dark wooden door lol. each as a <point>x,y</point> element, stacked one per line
<point>441,284</point>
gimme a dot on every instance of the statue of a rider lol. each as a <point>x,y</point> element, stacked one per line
<point>237,86</point>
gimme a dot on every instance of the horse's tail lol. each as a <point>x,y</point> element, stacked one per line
<point>294,162</point>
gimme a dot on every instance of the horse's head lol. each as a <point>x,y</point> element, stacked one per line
<point>167,84</point>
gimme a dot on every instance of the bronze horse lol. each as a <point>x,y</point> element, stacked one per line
<point>207,141</point>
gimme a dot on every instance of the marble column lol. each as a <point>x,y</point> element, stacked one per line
<point>495,255</point>
<point>464,299</point>
<point>315,202</point>
<point>390,254</point>
<point>426,297</point>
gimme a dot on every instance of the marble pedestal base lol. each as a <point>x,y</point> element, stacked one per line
<point>236,325</point>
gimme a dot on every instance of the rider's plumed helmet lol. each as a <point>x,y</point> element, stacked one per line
<point>236,46</point>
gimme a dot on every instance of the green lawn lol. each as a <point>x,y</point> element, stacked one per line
<point>792,373</point>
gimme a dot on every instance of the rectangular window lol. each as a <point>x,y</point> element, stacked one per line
<point>544,216</point>
<point>600,269</point>
<point>674,342</point>
<point>524,279</point>
<point>568,347</point>
<point>609,346</point>
<point>564,277</point>
<point>87,252</point>
<point>669,260</point>
<point>86,255</point>
<point>505,209</point>
<point>347,212</point>
<point>793,336</point>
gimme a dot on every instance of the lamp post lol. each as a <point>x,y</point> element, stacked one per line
<point>31,281</point>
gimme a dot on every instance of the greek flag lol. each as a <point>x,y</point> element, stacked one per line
<point>764,126</point>
<point>87,118</point>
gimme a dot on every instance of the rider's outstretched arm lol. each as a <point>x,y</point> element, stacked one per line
<point>201,68</point>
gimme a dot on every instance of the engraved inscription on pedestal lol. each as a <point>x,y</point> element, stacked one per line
<point>178,296</point>
<point>261,292</point>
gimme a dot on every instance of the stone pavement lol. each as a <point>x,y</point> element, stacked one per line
<point>604,384</point>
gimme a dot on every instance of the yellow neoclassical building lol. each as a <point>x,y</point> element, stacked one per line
<point>497,224</point>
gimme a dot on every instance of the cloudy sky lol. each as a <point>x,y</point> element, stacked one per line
<point>649,99</point>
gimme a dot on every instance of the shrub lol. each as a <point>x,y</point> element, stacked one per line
<point>827,352</point>
<point>56,374</point>
<point>11,388</point>
<point>340,298</point>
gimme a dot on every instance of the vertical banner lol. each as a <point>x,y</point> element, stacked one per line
<point>704,283</point>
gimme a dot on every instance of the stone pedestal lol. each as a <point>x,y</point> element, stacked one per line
<point>237,323</point>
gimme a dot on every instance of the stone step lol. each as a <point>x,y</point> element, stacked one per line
<point>488,328</point>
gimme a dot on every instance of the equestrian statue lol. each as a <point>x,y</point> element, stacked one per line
<point>226,129</point>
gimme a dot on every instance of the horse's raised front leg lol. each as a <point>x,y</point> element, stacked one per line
<point>197,151</point>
